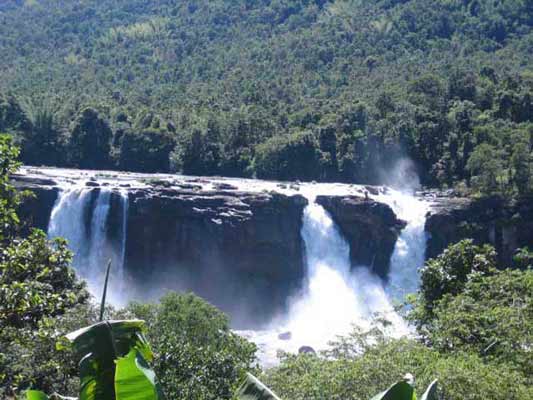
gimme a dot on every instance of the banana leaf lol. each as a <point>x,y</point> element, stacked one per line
<point>399,391</point>
<point>431,392</point>
<point>99,346</point>
<point>36,395</point>
<point>253,389</point>
<point>134,380</point>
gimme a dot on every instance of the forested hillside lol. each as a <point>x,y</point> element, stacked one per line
<point>325,90</point>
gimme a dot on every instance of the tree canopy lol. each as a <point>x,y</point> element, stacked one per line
<point>223,84</point>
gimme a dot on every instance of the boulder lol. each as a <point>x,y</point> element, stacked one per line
<point>306,350</point>
<point>35,210</point>
<point>371,229</point>
<point>285,336</point>
<point>224,186</point>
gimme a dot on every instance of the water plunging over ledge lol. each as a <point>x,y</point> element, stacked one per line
<point>90,243</point>
<point>335,294</point>
<point>337,298</point>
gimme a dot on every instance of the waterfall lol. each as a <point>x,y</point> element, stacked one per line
<point>410,249</point>
<point>336,296</point>
<point>329,302</point>
<point>91,246</point>
<point>99,251</point>
<point>124,231</point>
<point>68,221</point>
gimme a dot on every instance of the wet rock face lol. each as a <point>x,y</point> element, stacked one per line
<point>35,210</point>
<point>505,225</point>
<point>242,251</point>
<point>371,229</point>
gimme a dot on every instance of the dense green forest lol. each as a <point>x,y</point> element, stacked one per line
<point>474,328</point>
<point>312,90</point>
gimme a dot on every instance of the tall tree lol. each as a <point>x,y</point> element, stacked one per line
<point>90,142</point>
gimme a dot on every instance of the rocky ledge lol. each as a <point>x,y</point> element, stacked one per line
<point>371,229</point>
<point>236,244</point>
<point>504,224</point>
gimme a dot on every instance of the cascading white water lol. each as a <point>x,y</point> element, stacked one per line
<point>410,249</point>
<point>336,297</point>
<point>92,248</point>
<point>68,221</point>
<point>99,251</point>
<point>329,302</point>
<point>122,262</point>
<point>336,294</point>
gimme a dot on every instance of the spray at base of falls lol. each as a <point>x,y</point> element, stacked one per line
<point>338,298</point>
<point>91,247</point>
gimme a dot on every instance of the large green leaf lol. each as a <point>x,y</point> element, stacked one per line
<point>399,391</point>
<point>431,392</point>
<point>134,380</point>
<point>98,347</point>
<point>118,336</point>
<point>35,395</point>
<point>253,389</point>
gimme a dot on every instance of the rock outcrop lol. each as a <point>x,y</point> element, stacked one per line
<point>506,225</point>
<point>242,251</point>
<point>371,229</point>
<point>35,210</point>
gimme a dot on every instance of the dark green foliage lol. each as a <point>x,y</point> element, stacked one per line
<point>492,317</point>
<point>30,358</point>
<point>467,306</point>
<point>10,198</point>
<point>90,143</point>
<point>441,82</point>
<point>43,141</point>
<point>145,151</point>
<point>449,272</point>
<point>523,258</point>
<point>486,167</point>
<point>37,287</point>
<point>36,281</point>
<point>361,376</point>
<point>197,357</point>
<point>199,153</point>
<point>12,116</point>
<point>290,157</point>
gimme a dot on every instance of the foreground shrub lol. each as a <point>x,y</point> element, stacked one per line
<point>462,376</point>
<point>196,354</point>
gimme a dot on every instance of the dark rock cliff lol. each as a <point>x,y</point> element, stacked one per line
<point>504,224</point>
<point>36,209</point>
<point>242,251</point>
<point>371,229</point>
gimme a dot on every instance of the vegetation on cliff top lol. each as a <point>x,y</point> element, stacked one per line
<point>329,90</point>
